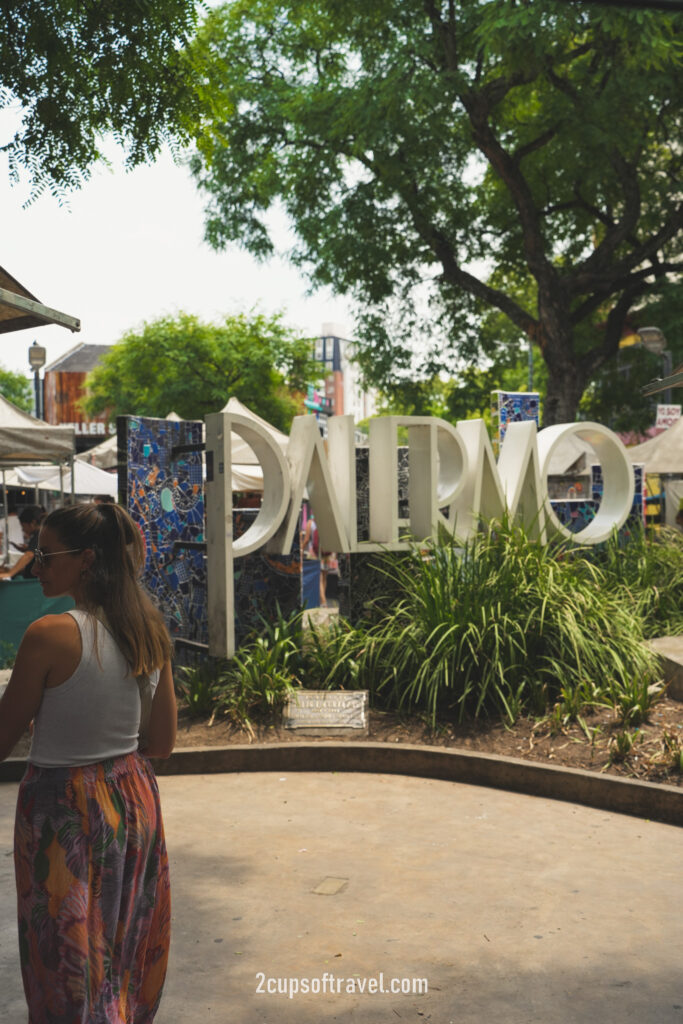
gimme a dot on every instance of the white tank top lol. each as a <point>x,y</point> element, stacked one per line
<point>95,714</point>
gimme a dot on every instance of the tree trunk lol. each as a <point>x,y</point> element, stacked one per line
<point>567,376</point>
<point>566,384</point>
<point>563,395</point>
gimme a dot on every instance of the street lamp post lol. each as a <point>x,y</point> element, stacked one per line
<point>653,339</point>
<point>36,359</point>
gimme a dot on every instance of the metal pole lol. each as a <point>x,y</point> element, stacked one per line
<point>667,367</point>
<point>36,389</point>
<point>531,366</point>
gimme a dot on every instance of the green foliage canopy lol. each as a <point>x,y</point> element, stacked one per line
<point>192,368</point>
<point>82,68</point>
<point>442,160</point>
<point>16,389</point>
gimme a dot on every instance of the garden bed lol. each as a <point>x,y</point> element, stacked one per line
<point>655,744</point>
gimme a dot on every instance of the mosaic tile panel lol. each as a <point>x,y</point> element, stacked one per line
<point>363,489</point>
<point>512,407</point>
<point>164,494</point>
<point>264,582</point>
<point>637,513</point>
<point>575,513</point>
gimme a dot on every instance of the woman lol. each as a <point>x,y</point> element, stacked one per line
<point>90,856</point>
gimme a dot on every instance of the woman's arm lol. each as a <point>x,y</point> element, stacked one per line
<point>163,719</point>
<point>25,560</point>
<point>24,692</point>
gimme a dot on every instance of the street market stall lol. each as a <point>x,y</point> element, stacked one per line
<point>662,456</point>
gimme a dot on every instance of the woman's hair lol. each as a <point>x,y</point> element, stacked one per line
<point>112,582</point>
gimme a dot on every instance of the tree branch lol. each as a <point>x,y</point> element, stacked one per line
<point>508,170</point>
<point>617,284</point>
<point>597,276</point>
<point>599,355</point>
<point>534,145</point>
<point>441,247</point>
<point>618,232</point>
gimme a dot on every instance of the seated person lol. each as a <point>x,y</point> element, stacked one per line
<point>30,519</point>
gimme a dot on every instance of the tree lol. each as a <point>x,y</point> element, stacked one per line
<point>192,368</point>
<point>16,389</point>
<point>614,396</point>
<point>82,68</point>
<point>428,154</point>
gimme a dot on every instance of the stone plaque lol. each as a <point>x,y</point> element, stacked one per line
<point>327,712</point>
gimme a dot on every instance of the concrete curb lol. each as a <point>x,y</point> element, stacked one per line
<point>622,796</point>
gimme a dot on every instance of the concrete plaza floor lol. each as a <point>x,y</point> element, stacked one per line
<point>515,909</point>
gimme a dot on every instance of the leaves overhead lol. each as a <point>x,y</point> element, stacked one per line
<point>428,154</point>
<point>75,70</point>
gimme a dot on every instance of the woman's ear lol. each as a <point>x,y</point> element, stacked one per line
<point>88,558</point>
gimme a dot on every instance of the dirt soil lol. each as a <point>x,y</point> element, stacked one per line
<point>654,756</point>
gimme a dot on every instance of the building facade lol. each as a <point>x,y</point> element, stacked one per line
<point>63,389</point>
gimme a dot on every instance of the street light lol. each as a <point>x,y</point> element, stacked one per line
<point>654,340</point>
<point>36,359</point>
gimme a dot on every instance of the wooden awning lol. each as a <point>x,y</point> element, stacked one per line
<point>664,383</point>
<point>19,309</point>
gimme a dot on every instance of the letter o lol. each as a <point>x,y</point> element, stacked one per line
<point>617,475</point>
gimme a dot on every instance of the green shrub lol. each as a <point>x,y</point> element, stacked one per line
<point>647,569</point>
<point>200,687</point>
<point>501,626</point>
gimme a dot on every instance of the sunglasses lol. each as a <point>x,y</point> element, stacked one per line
<point>41,556</point>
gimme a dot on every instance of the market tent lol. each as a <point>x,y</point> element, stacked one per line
<point>104,455</point>
<point>662,454</point>
<point>572,455</point>
<point>28,476</point>
<point>87,479</point>
<point>19,309</point>
<point>26,439</point>
<point>246,469</point>
<point>242,454</point>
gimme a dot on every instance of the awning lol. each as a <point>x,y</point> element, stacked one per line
<point>19,309</point>
<point>664,383</point>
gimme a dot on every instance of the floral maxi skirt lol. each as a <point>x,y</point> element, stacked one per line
<point>93,893</point>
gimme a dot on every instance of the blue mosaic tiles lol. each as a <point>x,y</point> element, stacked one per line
<point>163,491</point>
<point>512,407</point>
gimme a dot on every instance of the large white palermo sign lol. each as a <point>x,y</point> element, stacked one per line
<point>449,468</point>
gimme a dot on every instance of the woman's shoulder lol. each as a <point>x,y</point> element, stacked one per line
<point>55,643</point>
<point>53,629</point>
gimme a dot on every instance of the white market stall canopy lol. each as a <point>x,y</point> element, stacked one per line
<point>663,453</point>
<point>87,479</point>
<point>104,455</point>
<point>247,474</point>
<point>26,439</point>
<point>242,454</point>
<point>572,455</point>
<point>19,309</point>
